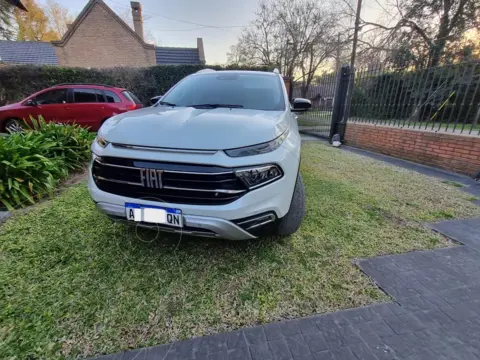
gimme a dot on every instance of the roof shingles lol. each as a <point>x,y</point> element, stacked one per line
<point>27,52</point>
<point>172,55</point>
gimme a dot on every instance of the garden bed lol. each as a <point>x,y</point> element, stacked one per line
<point>76,284</point>
<point>35,161</point>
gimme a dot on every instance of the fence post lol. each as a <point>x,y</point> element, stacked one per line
<point>339,103</point>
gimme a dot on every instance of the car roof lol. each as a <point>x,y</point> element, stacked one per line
<point>249,72</point>
<point>89,86</point>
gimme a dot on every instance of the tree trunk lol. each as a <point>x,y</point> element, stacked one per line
<point>436,50</point>
<point>304,90</point>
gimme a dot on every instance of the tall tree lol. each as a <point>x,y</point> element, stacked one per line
<point>311,32</point>
<point>34,25</point>
<point>58,17</point>
<point>296,36</point>
<point>424,29</point>
<point>6,14</point>
<point>263,42</point>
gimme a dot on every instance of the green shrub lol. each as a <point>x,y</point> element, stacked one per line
<point>17,82</point>
<point>33,162</point>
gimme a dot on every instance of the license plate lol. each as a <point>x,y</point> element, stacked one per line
<point>154,214</point>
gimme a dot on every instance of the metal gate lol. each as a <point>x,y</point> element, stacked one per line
<point>328,96</point>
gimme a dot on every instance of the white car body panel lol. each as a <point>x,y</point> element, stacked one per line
<point>190,128</point>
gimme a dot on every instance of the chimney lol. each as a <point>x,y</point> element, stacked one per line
<point>137,18</point>
<point>69,26</point>
<point>201,52</point>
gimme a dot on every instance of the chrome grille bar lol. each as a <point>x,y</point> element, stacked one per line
<point>165,171</point>
<point>223,191</point>
<point>151,148</point>
<point>118,181</point>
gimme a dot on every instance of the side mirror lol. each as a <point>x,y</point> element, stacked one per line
<point>30,102</point>
<point>155,99</point>
<point>300,105</point>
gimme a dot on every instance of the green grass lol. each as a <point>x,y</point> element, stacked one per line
<point>74,284</point>
<point>454,183</point>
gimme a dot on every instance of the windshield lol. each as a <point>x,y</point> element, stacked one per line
<point>248,91</point>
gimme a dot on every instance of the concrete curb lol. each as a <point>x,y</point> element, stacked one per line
<point>4,215</point>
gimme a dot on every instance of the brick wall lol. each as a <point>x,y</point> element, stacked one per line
<point>455,152</point>
<point>101,41</point>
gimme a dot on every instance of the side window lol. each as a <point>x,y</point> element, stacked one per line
<point>84,96</point>
<point>111,96</point>
<point>42,98</point>
<point>52,97</point>
<point>100,97</point>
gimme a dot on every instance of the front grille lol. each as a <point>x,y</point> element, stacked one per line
<point>180,183</point>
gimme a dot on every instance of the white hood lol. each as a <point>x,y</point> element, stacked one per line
<point>190,128</point>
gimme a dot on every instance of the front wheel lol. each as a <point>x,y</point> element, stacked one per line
<point>293,219</point>
<point>14,125</point>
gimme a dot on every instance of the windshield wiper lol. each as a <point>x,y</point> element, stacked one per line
<point>166,103</point>
<point>214,106</point>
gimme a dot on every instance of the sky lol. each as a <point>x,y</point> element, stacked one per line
<point>167,32</point>
<point>225,20</point>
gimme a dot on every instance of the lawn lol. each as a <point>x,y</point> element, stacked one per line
<point>74,284</point>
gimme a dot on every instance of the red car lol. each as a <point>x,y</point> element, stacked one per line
<point>88,105</point>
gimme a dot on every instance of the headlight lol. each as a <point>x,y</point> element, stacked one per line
<point>259,148</point>
<point>260,175</point>
<point>101,141</point>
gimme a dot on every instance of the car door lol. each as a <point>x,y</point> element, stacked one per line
<point>51,105</point>
<point>87,107</point>
<point>113,104</point>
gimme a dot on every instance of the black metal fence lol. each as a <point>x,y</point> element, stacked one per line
<point>321,92</point>
<point>443,98</point>
<point>439,99</point>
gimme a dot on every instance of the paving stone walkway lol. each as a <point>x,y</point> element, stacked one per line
<point>436,315</point>
<point>464,231</point>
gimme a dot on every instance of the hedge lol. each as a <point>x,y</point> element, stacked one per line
<point>17,82</point>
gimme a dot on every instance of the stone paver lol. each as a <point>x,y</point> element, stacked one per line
<point>465,231</point>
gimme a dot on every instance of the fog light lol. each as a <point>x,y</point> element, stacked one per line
<point>258,176</point>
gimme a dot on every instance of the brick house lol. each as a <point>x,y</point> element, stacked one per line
<point>100,38</point>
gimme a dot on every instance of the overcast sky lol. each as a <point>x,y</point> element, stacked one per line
<point>225,18</point>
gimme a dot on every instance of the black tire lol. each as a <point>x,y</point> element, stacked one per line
<point>13,125</point>
<point>293,219</point>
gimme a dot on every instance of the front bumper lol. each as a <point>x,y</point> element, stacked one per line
<point>203,226</point>
<point>231,221</point>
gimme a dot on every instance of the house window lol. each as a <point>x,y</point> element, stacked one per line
<point>111,97</point>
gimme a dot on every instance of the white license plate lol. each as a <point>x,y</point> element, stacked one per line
<point>154,214</point>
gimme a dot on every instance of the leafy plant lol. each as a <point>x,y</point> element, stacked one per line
<point>33,162</point>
